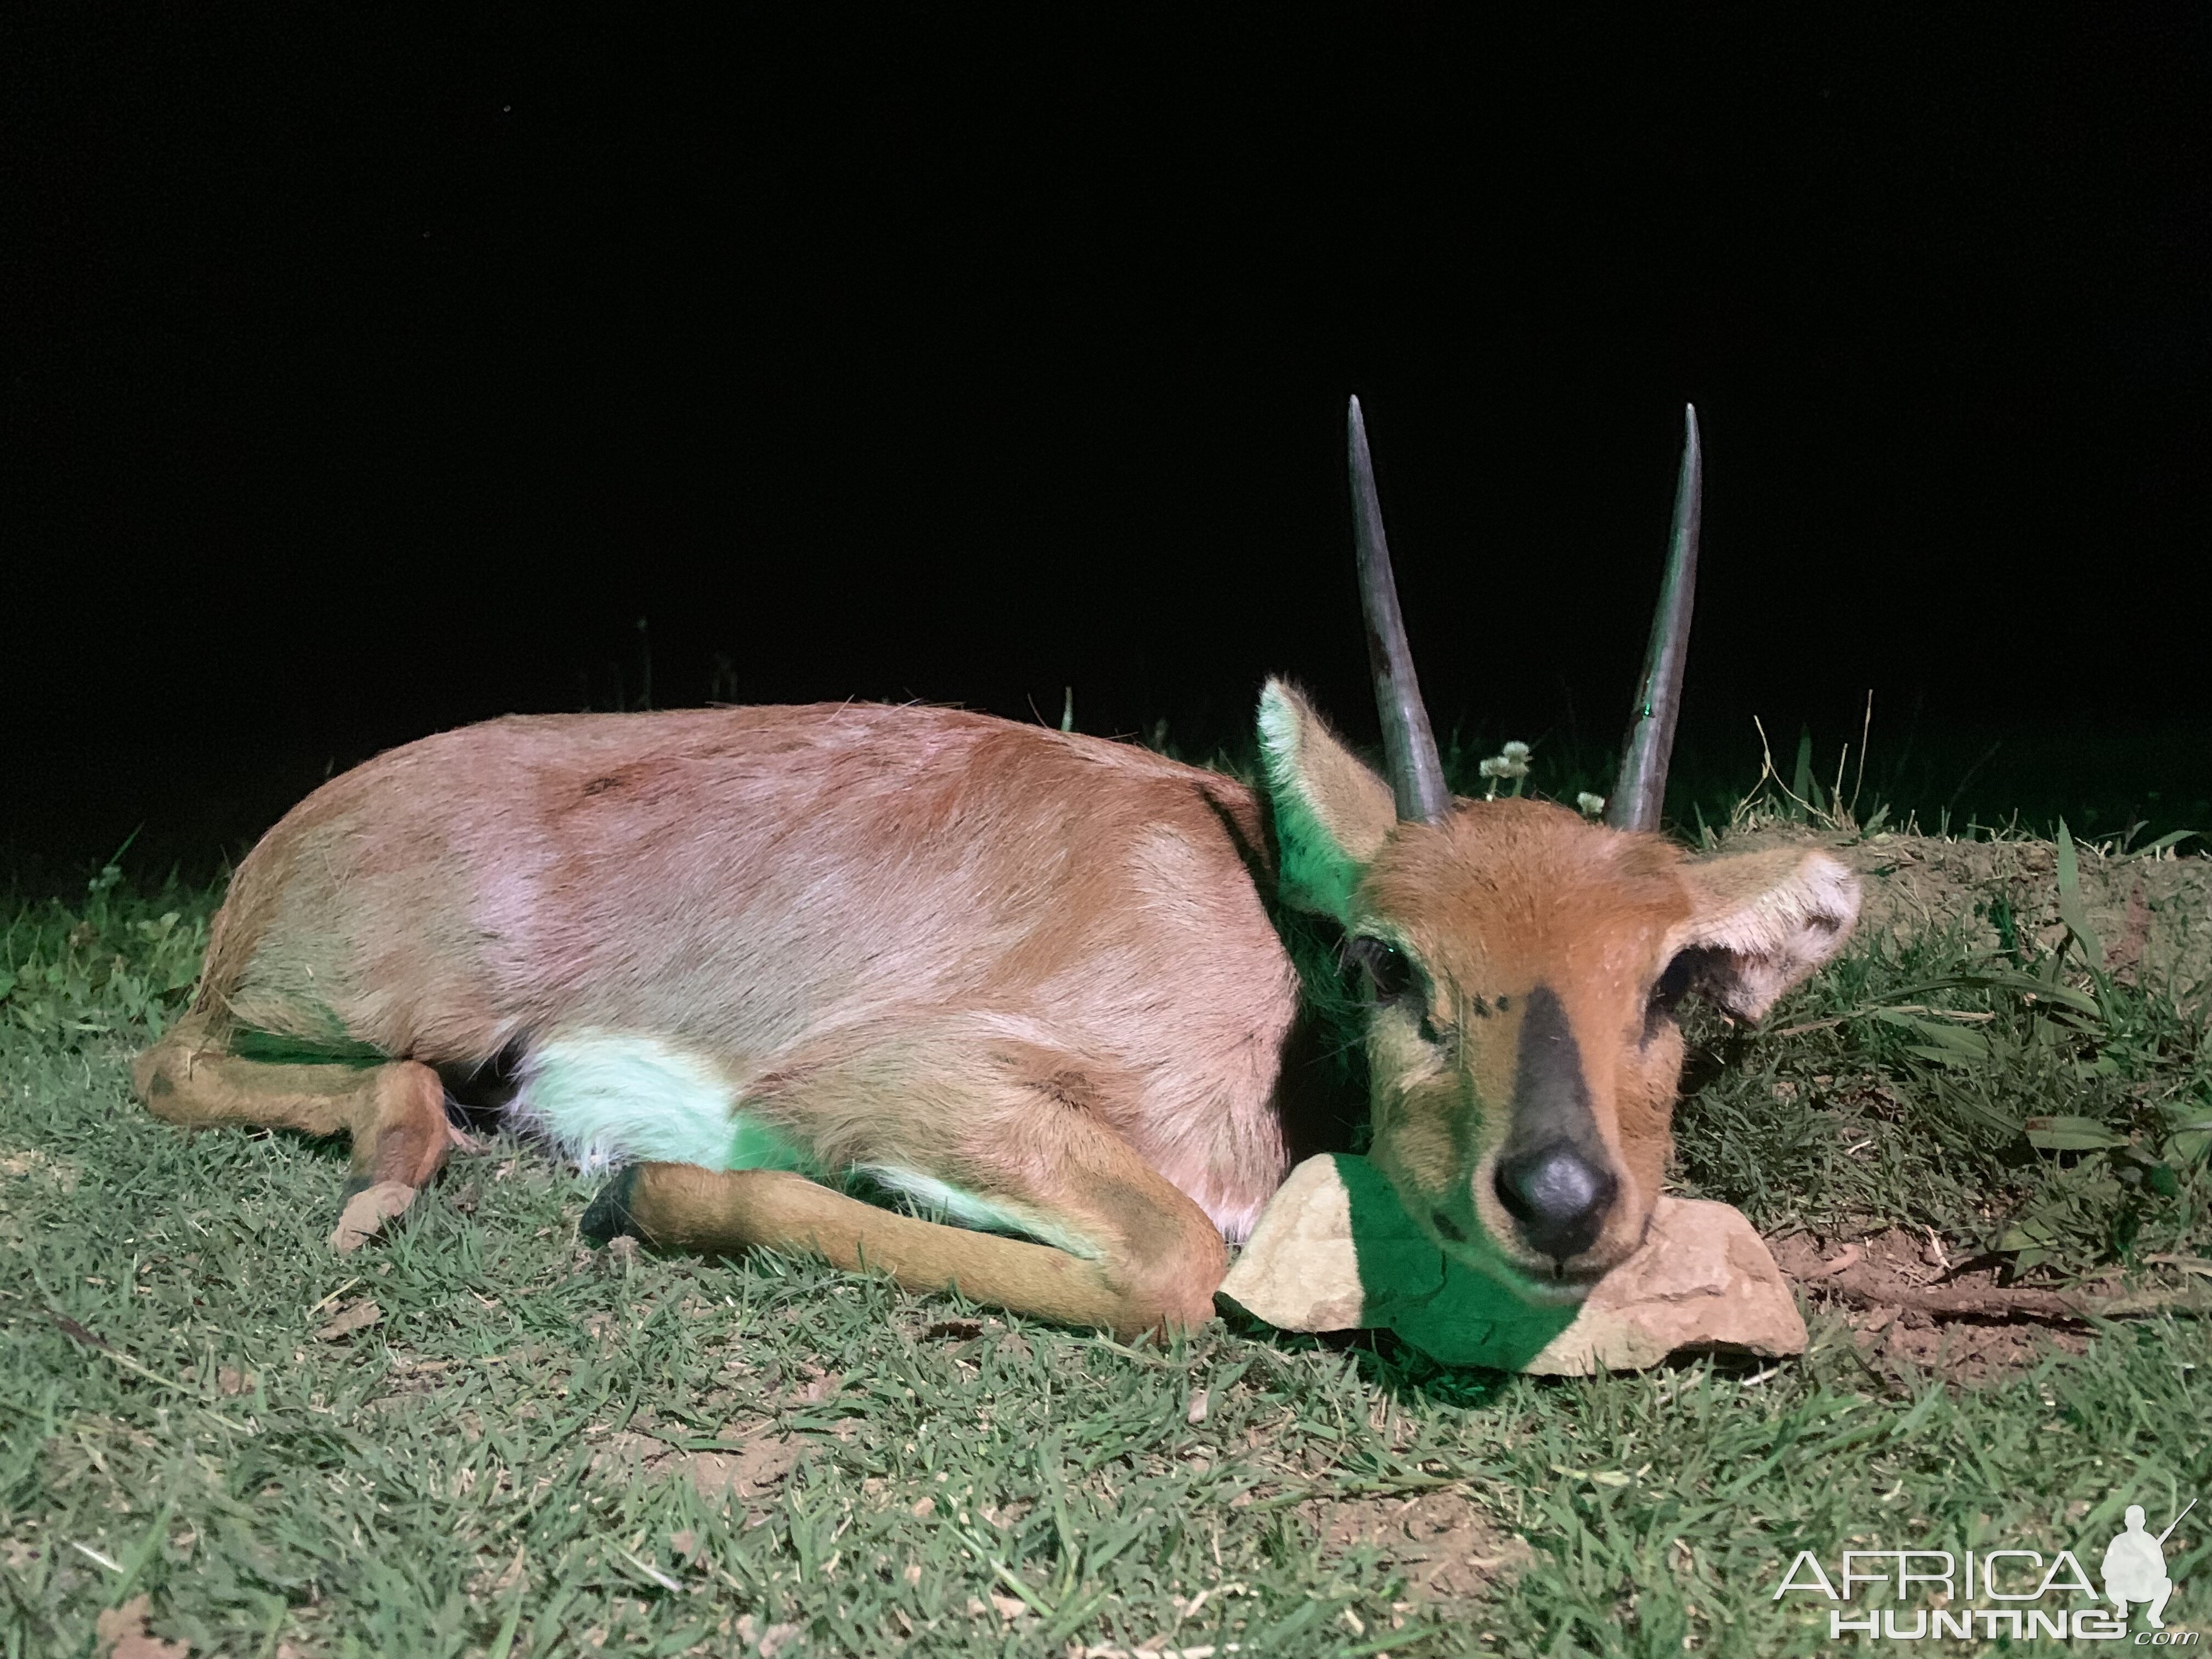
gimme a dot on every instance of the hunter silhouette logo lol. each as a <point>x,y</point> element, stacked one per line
<point>2135,1566</point>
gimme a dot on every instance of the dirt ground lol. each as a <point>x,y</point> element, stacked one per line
<point>1447,1548</point>
<point>1910,1309</point>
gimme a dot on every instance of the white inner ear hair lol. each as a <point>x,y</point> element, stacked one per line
<point>1778,933</point>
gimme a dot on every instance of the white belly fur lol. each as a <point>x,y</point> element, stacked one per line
<point>606,1098</point>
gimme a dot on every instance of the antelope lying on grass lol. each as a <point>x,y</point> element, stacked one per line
<point>1030,981</point>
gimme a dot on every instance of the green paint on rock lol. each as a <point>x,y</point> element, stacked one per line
<point>1448,1311</point>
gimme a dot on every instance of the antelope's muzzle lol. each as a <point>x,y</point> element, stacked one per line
<point>1559,1199</point>
<point>1553,1176</point>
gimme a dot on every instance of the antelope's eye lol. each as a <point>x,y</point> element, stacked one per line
<point>1383,968</point>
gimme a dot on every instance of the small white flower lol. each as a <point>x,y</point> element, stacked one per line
<point>1592,805</point>
<point>1512,761</point>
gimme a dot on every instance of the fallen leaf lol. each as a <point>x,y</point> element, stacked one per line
<point>2188,1264</point>
<point>74,1331</point>
<point>126,1627</point>
<point>129,1620</point>
<point>357,1316</point>
<point>231,1380</point>
<point>1847,1257</point>
<point>1602,1477</point>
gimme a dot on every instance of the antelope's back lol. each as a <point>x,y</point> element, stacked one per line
<point>739,880</point>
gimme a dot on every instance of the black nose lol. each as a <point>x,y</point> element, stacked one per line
<point>1558,1196</point>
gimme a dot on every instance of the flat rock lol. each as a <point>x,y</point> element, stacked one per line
<point>1334,1251</point>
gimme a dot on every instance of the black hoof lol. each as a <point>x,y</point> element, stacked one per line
<point>608,1215</point>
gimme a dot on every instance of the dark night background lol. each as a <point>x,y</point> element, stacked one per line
<point>371,371</point>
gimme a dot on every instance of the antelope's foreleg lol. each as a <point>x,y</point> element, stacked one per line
<point>1167,1284</point>
<point>1016,1131</point>
<point>394,1112</point>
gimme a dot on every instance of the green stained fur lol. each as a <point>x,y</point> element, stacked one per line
<point>1317,871</point>
<point>289,1048</point>
<point>1334,1017</point>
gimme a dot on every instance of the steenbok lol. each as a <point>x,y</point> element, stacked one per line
<point>1032,985</point>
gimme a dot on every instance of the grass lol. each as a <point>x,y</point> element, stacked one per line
<point>1919,1085</point>
<point>477,1438</point>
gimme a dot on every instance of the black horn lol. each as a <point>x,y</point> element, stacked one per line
<point>1409,748</point>
<point>1641,789</point>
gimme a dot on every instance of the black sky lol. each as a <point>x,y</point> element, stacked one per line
<point>369,371</point>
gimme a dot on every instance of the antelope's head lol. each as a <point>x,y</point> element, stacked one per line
<point>1521,968</point>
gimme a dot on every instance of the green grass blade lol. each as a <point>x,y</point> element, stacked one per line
<point>2071,910</point>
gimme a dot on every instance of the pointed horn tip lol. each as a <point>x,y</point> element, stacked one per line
<point>1355,438</point>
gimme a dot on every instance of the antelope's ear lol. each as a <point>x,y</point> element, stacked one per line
<point>1763,921</point>
<point>1331,813</point>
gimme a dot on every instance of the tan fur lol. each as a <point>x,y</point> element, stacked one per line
<point>1158,1267</point>
<point>395,1114</point>
<point>1035,966</point>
